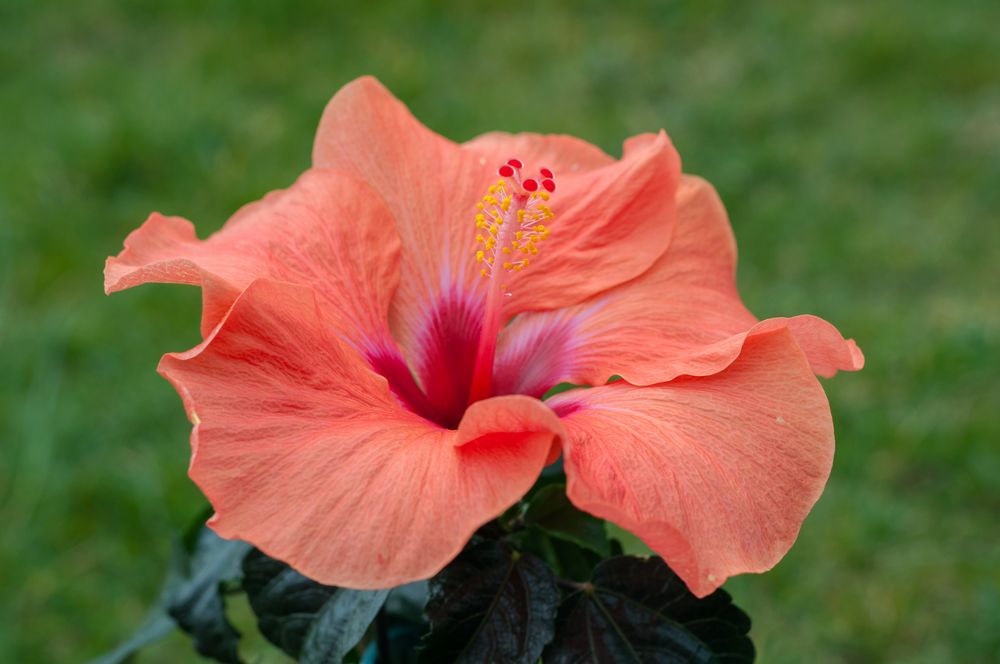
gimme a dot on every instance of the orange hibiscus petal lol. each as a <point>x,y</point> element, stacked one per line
<point>558,152</point>
<point>430,186</point>
<point>715,474</point>
<point>328,231</point>
<point>611,224</point>
<point>304,452</point>
<point>612,217</point>
<point>166,250</point>
<point>682,317</point>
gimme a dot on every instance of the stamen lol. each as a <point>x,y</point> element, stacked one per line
<point>509,218</point>
<point>509,214</point>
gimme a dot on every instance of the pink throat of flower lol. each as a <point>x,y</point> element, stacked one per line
<point>510,220</point>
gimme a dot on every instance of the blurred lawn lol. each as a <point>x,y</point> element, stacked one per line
<point>857,146</point>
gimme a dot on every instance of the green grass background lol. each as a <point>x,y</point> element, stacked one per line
<point>857,146</point>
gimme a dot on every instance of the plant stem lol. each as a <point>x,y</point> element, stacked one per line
<point>566,583</point>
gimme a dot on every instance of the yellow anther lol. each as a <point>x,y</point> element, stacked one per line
<point>492,217</point>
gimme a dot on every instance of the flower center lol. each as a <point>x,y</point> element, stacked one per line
<point>510,222</point>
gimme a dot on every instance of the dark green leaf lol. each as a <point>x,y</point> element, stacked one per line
<point>400,625</point>
<point>407,601</point>
<point>572,561</point>
<point>552,512</point>
<point>554,473</point>
<point>198,607</point>
<point>567,559</point>
<point>491,604</point>
<point>190,598</point>
<point>638,610</point>
<point>310,621</point>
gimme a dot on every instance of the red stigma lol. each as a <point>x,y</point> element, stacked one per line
<point>549,185</point>
<point>530,185</point>
<point>516,163</point>
<point>546,173</point>
<point>506,171</point>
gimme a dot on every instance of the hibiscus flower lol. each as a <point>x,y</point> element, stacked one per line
<point>379,336</point>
